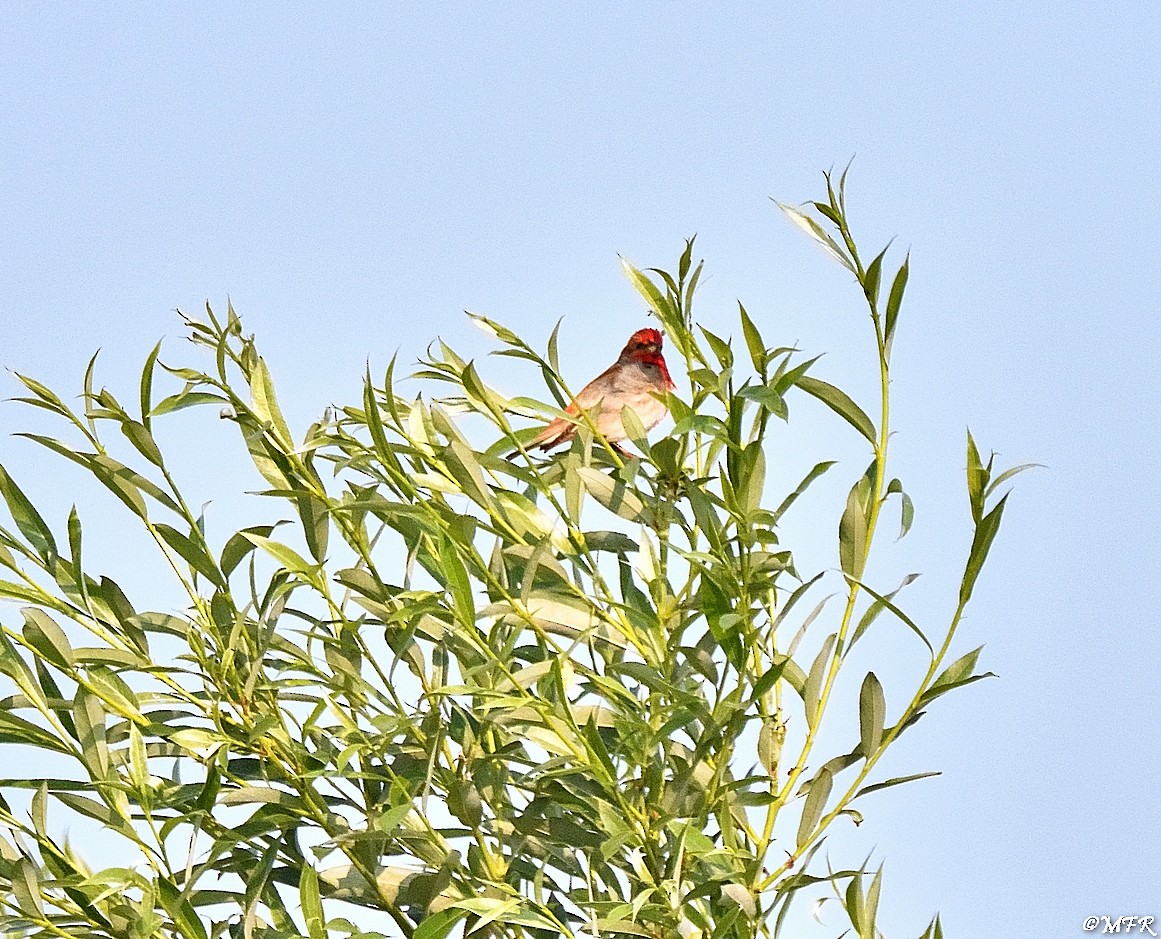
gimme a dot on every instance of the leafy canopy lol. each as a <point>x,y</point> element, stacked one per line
<point>569,695</point>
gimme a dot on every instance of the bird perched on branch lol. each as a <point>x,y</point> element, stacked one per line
<point>638,380</point>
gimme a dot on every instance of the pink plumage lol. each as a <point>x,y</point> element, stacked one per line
<point>636,380</point>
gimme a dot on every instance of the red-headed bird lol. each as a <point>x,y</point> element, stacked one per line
<point>638,379</point>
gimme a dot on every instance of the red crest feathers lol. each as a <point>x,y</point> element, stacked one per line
<point>643,336</point>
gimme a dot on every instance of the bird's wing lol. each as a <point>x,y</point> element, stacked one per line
<point>558,429</point>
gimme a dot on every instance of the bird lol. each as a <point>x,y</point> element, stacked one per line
<point>638,379</point>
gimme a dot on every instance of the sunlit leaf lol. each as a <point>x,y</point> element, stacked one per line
<point>812,228</point>
<point>839,402</point>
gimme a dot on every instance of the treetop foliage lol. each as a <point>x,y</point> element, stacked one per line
<point>453,690</point>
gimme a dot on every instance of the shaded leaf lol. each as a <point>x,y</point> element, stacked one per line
<point>981,544</point>
<point>192,553</point>
<point>814,680</point>
<point>896,781</point>
<point>27,519</point>
<point>815,805</point>
<point>855,525</point>
<point>872,715</point>
<point>894,302</point>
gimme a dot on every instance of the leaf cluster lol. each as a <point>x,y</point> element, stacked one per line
<point>452,688</point>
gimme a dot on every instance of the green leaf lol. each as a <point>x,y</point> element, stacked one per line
<point>43,633</point>
<point>871,906</point>
<point>612,494</point>
<point>876,608</point>
<point>907,511</point>
<point>15,729</point>
<point>886,602</point>
<point>142,440</point>
<point>89,716</point>
<point>896,781</point>
<point>815,805</point>
<point>768,398</point>
<point>751,475</point>
<point>596,747</point>
<point>180,910</point>
<point>660,305</point>
<point>283,554</point>
<point>958,670</point>
<point>814,680</point>
<point>265,406</point>
<point>894,301</point>
<point>312,911</point>
<point>855,524</point>
<point>193,554</point>
<point>981,544</point>
<point>147,386</point>
<point>554,348</point>
<point>27,519</point>
<point>438,925</point>
<point>721,349</point>
<point>818,470</point>
<point>138,758</point>
<point>754,342</point>
<point>871,278</point>
<point>239,545</point>
<point>770,739</point>
<point>812,228</point>
<point>44,394</point>
<point>26,887</point>
<point>635,430</point>
<point>459,585</point>
<point>977,479</point>
<point>1008,474</point>
<point>126,484</point>
<point>872,714</point>
<point>838,401</point>
<point>186,399</point>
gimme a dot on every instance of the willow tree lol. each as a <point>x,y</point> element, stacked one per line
<point>448,689</point>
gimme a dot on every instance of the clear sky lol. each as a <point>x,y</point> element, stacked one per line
<point>354,178</point>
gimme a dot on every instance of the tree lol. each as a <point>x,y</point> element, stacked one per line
<point>528,696</point>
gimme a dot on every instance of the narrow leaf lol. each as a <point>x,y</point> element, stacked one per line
<point>872,277</point>
<point>812,228</point>
<point>815,805</point>
<point>265,405</point>
<point>147,385</point>
<point>312,911</point>
<point>839,402</point>
<point>854,525</point>
<point>818,470</point>
<point>192,553</point>
<point>754,342</point>
<point>613,495</point>
<point>981,544</point>
<point>814,680</point>
<point>872,715</point>
<point>27,519</point>
<point>896,781</point>
<point>894,301</point>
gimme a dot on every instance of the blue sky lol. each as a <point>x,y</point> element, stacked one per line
<point>354,178</point>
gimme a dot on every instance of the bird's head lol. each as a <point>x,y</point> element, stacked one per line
<point>643,346</point>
